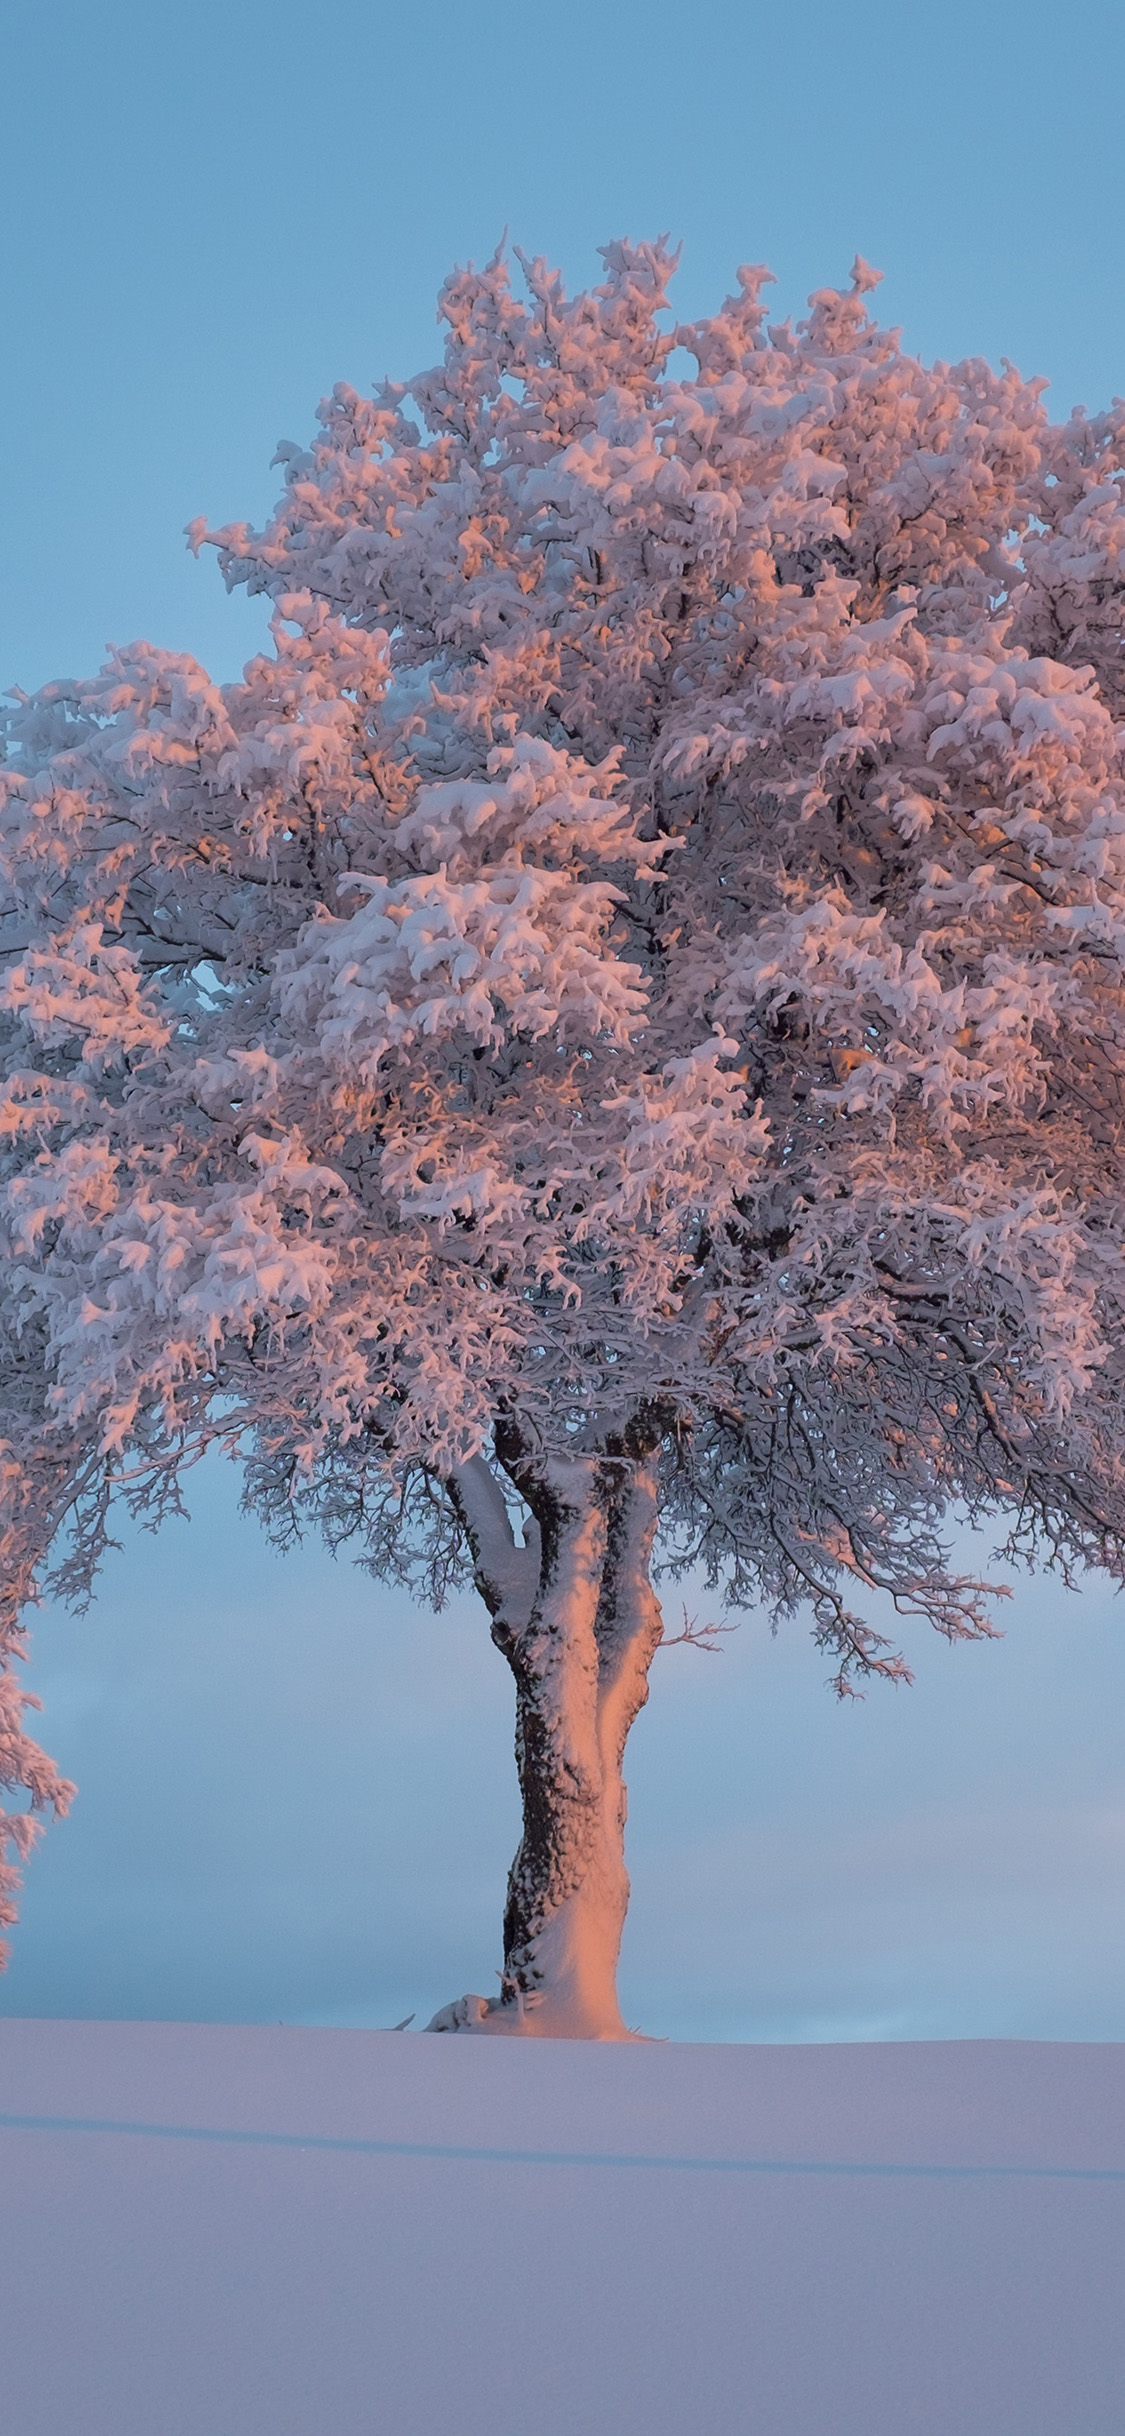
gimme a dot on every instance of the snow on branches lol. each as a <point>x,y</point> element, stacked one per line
<point>643,953</point>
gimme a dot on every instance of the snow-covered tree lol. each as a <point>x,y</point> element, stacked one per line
<point>611,1036</point>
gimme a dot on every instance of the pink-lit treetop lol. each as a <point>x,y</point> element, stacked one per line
<point>614,1025</point>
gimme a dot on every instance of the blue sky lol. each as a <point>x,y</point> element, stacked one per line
<point>297,1794</point>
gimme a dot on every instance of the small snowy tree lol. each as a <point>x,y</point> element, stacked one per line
<point>614,1028</point>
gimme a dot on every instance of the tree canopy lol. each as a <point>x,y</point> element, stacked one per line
<point>633,978</point>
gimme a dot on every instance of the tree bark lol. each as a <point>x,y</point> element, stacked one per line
<point>575,1614</point>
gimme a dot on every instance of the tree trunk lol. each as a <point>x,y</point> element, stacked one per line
<point>575,1614</point>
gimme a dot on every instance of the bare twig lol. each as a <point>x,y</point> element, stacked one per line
<point>695,1635</point>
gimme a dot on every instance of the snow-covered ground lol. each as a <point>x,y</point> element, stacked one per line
<point>277,2232</point>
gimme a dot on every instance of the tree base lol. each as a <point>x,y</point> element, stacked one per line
<point>539,2016</point>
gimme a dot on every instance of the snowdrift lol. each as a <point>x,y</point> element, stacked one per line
<point>276,2232</point>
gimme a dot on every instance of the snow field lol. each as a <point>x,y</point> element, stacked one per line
<point>214,2231</point>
